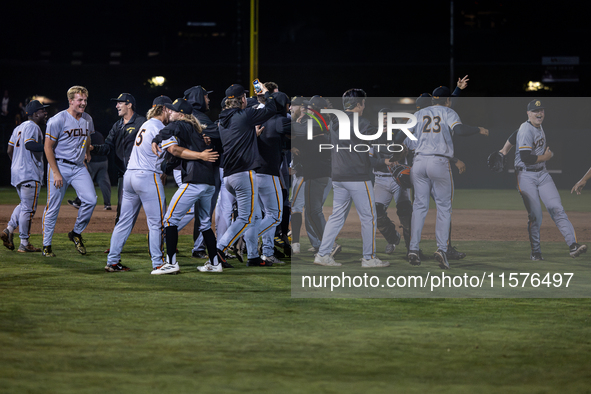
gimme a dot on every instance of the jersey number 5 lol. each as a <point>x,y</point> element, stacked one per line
<point>140,137</point>
<point>428,120</point>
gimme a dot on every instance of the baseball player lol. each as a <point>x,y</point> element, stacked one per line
<point>270,193</point>
<point>581,184</point>
<point>535,183</point>
<point>431,172</point>
<point>386,189</point>
<point>142,186</point>
<point>183,138</point>
<point>423,101</point>
<point>121,137</point>
<point>25,149</point>
<point>240,161</point>
<point>67,143</point>
<point>297,183</point>
<point>351,181</point>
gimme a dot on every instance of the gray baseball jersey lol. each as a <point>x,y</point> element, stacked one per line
<point>70,134</point>
<point>26,165</point>
<point>434,130</point>
<point>142,157</point>
<point>533,139</point>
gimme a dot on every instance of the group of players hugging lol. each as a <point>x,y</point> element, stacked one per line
<point>242,167</point>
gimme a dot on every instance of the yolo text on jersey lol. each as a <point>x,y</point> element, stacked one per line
<point>76,133</point>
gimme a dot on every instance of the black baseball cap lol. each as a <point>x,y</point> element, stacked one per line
<point>161,100</point>
<point>298,100</point>
<point>424,100</point>
<point>180,105</point>
<point>33,107</point>
<point>126,98</point>
<point>535,105</point>
<point>318,102</point>
<point>235,91</point>
<point>442,91</point>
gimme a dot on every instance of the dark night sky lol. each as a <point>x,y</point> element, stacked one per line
<point>392,49</point>
<point>388,49</point>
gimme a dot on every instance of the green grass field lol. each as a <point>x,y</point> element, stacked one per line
<point>66,326</point>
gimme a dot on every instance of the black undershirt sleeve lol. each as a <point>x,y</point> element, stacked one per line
<point>465,130</point>
<point>527,157</point>
<point>34,146</point>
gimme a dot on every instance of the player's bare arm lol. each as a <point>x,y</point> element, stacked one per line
<point>548,154</point>
<point>10,151</point>
<point>506,148</point>
<point>578,187</point>
<point>483,131</point>
<point>87,156</point>
<point>58,181</point>
<point>186,154</point>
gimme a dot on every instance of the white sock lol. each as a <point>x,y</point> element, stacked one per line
<point>25,242</point>
<point>10,229</point>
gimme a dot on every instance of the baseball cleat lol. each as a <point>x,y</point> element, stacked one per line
<point>199,255</point>
<point>390,248</point>
<point>326,261</point>
<point>413,257</point>
<point>295,248</point>
<point>116,268</point>
<point>208,267</point>
<point>107,208</point>
<point>74,204</point>
<point>272,260</point>
<point>221,256</point>
<point>277,253</point>
<point>336,249</point>
<point>47,251</point>
<point>453,254</point>
<point>577,250</point>
<point>77,239</point>
<point>166,269</point>
<point>398,238</point>
<point>258,262</point>
<point>441,257</point>
<point>536,256</point>
<point>7,238</point>
<point>28,249</point>
<point>374,263</point>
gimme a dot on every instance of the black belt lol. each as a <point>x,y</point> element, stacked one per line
<point>530,169</point>
<point>66,161</point>
<point>434,154</point>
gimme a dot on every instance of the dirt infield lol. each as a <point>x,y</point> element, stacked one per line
<point>467,225</point>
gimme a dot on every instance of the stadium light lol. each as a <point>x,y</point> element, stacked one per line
<point>157,81</point>
<point>534,86</point>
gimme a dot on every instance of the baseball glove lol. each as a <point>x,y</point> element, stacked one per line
<point>401,175</point>
<point>399,156</point>
<point>497,161</point>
